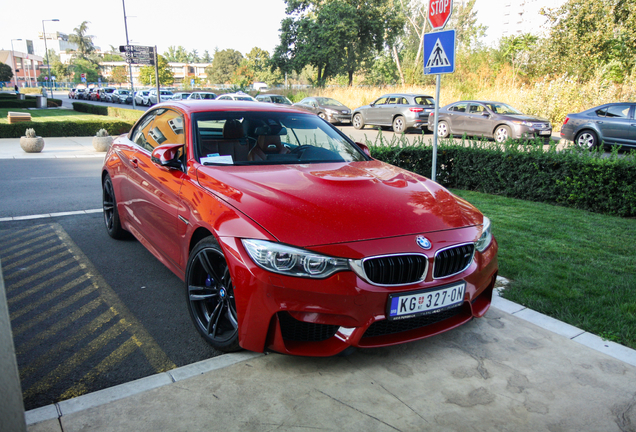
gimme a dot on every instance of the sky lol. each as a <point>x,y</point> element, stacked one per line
<point>201,25</point>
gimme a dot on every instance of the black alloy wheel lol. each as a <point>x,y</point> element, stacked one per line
<point>210,296</point>
<point>111,215</point>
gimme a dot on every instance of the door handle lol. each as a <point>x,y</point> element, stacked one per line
<point>599,122</point>
<point>134,162</point>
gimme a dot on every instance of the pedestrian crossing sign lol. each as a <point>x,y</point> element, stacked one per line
<point>439,52</point>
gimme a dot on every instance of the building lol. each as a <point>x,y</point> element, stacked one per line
<point>183,72</point>
<point>506,18</point>
<point>26,67</point>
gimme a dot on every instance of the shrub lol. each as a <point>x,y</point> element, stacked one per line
<point>570,177</point>
<point>67,129</point>
<point>30,133</point>
<point>122,113</point>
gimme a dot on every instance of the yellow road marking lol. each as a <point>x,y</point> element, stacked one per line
<point>22,244</point>
<point>47,283</point>
<point>20,234</point>
<point>50,296</point>
<point>76,359</point>
<point>33,257</point>
<point>37,319</point>
<point>40,263</point>
<point>104,366</point>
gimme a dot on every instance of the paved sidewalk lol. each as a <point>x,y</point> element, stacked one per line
<point>59,147</point>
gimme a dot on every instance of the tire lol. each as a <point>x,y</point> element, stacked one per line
<point>443,131</point>
<point>502,133</point>
<point>111,215</point>
<point>210,296</point>
<point>399,126</point>
<point>587,139</point>
<point>358,121</point>
<point>322,116</point>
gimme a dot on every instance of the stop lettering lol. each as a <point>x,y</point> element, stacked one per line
<point>439,11</point>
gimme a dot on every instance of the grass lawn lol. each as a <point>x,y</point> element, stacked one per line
<point>51,115</point>
<point>576,266</point>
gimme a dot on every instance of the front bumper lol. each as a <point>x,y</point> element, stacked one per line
<point>339,118</point>
<point>322,317</point>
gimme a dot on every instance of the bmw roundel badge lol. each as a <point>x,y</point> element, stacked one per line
<point>423,242</point>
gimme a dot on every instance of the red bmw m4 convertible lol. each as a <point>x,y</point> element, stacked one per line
<point>289,236</point>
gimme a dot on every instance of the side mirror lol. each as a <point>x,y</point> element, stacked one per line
<point>167,155</point>
<point>485,114</point>
<point>364,148</point>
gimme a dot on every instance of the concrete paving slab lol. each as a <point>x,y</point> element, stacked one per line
<point>497,373</point>
<point>610,348</point>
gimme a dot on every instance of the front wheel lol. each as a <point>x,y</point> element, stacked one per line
<point>587,140</point>
<point>502,134</point>
<point>399,126</point>
<point>210,296</point>
<point>357,121</point>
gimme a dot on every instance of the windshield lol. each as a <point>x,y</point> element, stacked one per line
<point>502,108</point>
<point>166,92</point>
<point>267,138</point>
<point>322,101</point>
<point>424,100</point>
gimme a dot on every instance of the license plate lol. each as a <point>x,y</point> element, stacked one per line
<point>402,306</point>
<point>545,132</point>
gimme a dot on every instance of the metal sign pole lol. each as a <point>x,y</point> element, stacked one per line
<point>434,165</point>
<point>157,75</point>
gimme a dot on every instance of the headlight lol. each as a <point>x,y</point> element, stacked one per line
<point>523,123</point>
<point>486,236</point>
<point>291,261</point>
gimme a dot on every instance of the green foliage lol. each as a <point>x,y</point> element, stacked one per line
<point>84,43</point>
<point>176,54</point>
<point>82,65</point>
<point>122,113</point>
<point>223,66</point>
<point>67,129</point>
<point>571,177</point>
<point>6,74</point>
<point>147,73</point>
<point>11,101</point>
<point>119,75</point>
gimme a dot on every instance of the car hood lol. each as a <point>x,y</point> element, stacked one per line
<point>319,204</point>
<point>335,108</point>
<point>524,117</point>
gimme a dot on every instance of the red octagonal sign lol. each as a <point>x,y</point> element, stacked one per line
<point>439,11</point>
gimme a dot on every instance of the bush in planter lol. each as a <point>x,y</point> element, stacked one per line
<point>68,129</point>
<point>102,141</point>
<point>31,143</point>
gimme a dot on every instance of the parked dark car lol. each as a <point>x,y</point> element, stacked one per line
<point>121,96</point>
<point>273,98</point>
<point>612,123</point>
<point>489,119</point>
<point>326,108</point>
<point>401,111</point>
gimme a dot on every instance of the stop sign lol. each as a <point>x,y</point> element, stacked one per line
<point>439,11</point>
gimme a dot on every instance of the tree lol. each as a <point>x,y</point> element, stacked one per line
<point>119,74</point>
<point>586,36</point>
<point>223,66</point>
<point>84,43</point>
<point>257,61</point>
<point>193,57</point>
<point>147,73</point>
<point>6,74</point>
<point>334,36</point>
<point>84,66</point>
<point>176,54</point>
<point>206,57</point>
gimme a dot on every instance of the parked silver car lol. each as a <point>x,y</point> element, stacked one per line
<point>141,97</point>
<point>165,96</point>
<point>612,123</point>
<point>273,98</point>
<point>326,108</point>
<point>489,119</point>
<point>200,95</point>
<point>401,111</point>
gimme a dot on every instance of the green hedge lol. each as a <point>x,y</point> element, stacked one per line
<point>29,102</point>
<point>572,177</point>
<point>122,113</point>
<point>66,129</point>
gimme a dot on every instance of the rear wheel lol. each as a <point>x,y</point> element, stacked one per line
<point>111,215</point>
<point>357,121</point>
<point>210,296</point>
<point>399,126</point>
<point>443,130</point>
<point>586,139</point>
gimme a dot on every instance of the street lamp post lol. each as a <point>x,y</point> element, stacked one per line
<point>47,52</point>
<point>15,73</point>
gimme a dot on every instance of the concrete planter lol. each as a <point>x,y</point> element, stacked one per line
<point>102,144</point>
<point>32,145</point>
